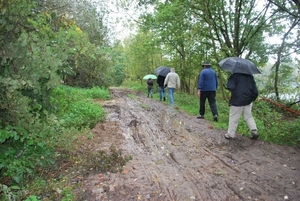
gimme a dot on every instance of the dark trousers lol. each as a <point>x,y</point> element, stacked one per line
<point>211,96</point>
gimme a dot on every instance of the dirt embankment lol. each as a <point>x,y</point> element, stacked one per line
<point>181,158</point>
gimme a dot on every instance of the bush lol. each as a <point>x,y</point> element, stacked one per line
<point>27,148</point>
<point>75,108</point>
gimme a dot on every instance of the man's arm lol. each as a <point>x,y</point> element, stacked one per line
<point>231,83</point>
<point>166,81</point>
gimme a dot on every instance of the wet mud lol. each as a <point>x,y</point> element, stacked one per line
<point>177,157</point>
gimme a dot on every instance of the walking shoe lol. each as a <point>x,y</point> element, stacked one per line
<point>254,135</point>
<point>164,98</point>
<point>216,118</point>
<point>200,117</point>
<point>228,137</point>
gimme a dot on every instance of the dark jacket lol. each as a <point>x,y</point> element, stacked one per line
<point>160,80</point>
<point>207,80</point>
<point>243,89</point>
<point>150,84</point>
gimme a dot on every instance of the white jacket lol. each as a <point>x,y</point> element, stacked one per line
<point>172,80</point>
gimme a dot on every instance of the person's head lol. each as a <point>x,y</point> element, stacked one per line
<point>206,64</point>
<point>149,79</point>
<point>173,70</point>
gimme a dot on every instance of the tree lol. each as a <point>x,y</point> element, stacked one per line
<point>89,66</point>
<point>289,20</point>
<point>234,28</point>
<point>142,55</point>
<point>172,26</point>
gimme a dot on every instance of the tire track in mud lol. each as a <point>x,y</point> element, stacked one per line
<point>187,182</point>
<point>178,157</point>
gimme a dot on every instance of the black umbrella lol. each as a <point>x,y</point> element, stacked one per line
<point>239,65</point>
<point>162,70</point>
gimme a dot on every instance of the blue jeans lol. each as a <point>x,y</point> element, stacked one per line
<point>162,93</point>
<point>149,92</point>
<point>171,95</point>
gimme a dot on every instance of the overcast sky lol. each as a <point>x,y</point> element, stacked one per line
<point>121,21</point>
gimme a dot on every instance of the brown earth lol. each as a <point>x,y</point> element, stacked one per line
<point>177,157</point>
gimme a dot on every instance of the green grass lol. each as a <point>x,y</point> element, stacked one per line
<point>75,107</point>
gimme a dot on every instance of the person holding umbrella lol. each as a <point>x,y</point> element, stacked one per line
<point>162,72</point>
<point>207,87</point>
<point>243,90</point>
<point>162,93</point>
<point>150,86</point>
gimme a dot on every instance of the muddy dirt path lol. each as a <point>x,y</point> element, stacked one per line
<point>177,157</point>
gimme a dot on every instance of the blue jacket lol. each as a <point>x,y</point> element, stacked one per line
<point>208,80</point>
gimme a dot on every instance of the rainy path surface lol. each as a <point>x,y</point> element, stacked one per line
<point>177,157</point>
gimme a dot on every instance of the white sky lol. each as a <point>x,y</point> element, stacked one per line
<point>121,21</point>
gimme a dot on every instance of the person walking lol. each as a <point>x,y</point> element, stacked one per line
<point>172,81</point>
<point>207,87</point>
<point>162,93</point>
<point>150,86</point>
<point>243,93</point>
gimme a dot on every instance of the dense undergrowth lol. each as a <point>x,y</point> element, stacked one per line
<point>29,155</point>
<point>29,164</point>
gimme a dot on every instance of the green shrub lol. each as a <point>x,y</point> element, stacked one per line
<point>83,113</point>
<point>26,149</point>
<point>75,108</point>
<point>30,145</point>
<point>9,193</point>
<point>96,93</point>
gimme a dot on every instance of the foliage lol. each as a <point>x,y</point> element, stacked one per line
<point>32,198</point>
<point>75,108</point>
<point>87,64</point>
<point>9,193</point>
<point>288,18</point>
<point>189,32</point>
<point>172,29</point>
<point>119,61</point>
<point>142,56</point>
<point>40,49</point>
<point>27,150</point>
<point>277,126</point>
